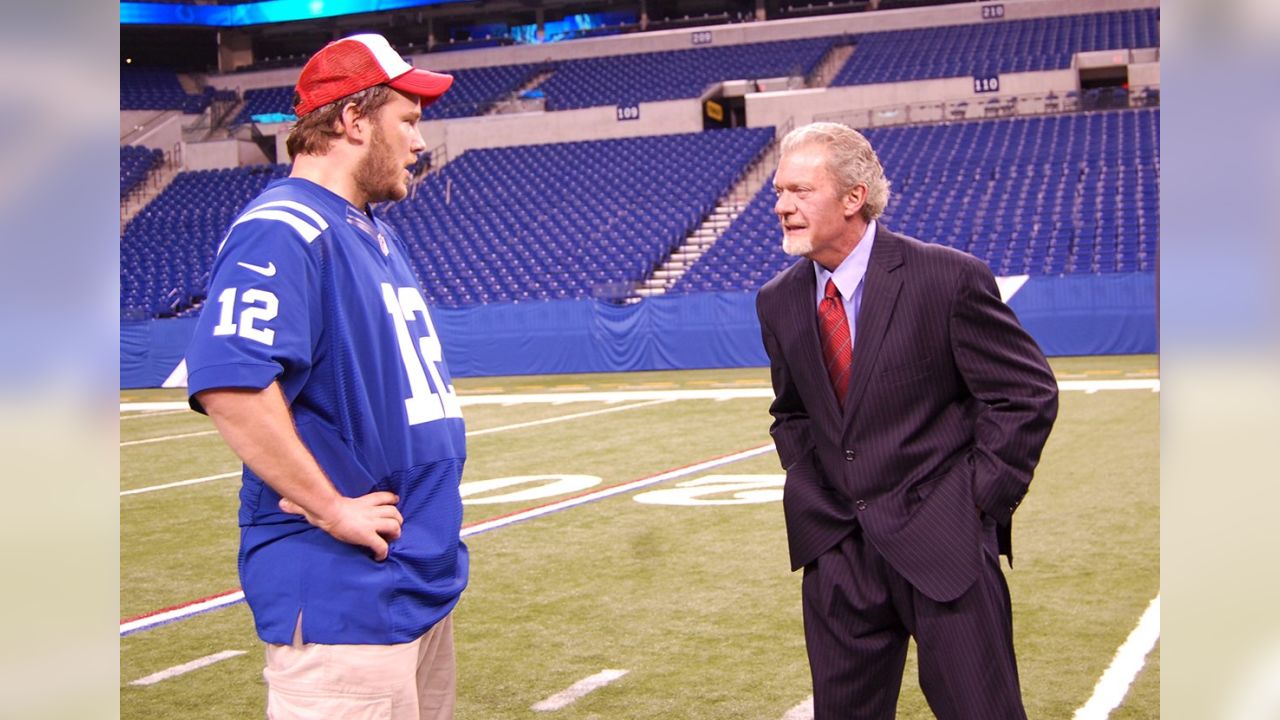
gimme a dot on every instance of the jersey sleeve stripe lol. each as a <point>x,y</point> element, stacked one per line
<point>306,230</point>
<point>294,205</point>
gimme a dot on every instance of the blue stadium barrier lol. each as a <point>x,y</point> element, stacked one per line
<point>151,349</point>
<point>1107,314</point>
<point>1068,315</point>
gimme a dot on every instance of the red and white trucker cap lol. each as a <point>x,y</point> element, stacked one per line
<point>354,63</point>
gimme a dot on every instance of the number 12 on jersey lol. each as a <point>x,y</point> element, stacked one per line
<point>423,404</point>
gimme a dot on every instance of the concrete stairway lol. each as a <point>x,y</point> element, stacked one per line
<point>514,104</point>
<point>829,65</point>
<point>713,226</point>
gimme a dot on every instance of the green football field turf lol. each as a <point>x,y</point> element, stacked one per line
<point>694,600</point>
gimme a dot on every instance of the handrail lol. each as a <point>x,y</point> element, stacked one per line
<point>985,107</point>
<point>147,126</point>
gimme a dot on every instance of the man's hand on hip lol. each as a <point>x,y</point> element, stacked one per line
<point>258,426</point>
<point>369,520</point>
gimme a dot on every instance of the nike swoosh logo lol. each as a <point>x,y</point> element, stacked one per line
<point>269,270</point>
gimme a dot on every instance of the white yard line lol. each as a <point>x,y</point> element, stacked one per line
<point>609,491</point>
<point>652,396</point>
<point>149,413</point>
<point>1112,686</point>
<point>486,431</point>
<point>185,611</point>
<point>473,433</point>
<point>1152,384</point>
<point>803,711</point>
<point>168,437</point>
<point>575,416</point>
<point>1125,666</point>
<point>1092,386</point>
<point>571,694</point>
<point>180,483</point>
<point>181,612</point>
<point>184,668</point>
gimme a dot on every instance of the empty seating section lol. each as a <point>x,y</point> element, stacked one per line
<point>136,162</point>
<point>675,74</point>
<point>592,82</point>
<point>746,256</point>
<point>1048,195</point>
<point>159,90</point>
<point>473,91</point>
<point>565,220</point>
<point>994,47</point>
<point>167,250</point>
<point>265,101</point>
<point>509,224</point>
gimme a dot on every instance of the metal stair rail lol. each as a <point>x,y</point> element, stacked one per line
<point>829,66</point>
<point>727,209</point>
<point>154,184</point>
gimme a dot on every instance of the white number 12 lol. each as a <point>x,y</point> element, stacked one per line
<point>227,325</point>
<point>423,404</point>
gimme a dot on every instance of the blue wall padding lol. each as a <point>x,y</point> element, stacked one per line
<point>1090,314</point>
<point>1069,315</point>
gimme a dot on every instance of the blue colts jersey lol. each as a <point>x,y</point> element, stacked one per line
<point>312,292</point>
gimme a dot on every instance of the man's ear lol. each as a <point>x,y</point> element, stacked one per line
<point>353,124</point>
<point>854,200</point>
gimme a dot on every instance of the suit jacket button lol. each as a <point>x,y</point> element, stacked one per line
<point>861,504</point>
<point>850,455</point>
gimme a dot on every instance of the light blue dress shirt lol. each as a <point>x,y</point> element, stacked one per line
<point>848,277</point>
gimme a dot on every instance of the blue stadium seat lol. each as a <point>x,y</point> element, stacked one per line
<point>473,92</point>
<point>159,90</point>
<point>136,162</point>
<point>1047,195</point>
<point>501,225</point>
<point>986,49</point>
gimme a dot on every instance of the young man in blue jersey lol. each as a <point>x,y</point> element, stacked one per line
<point>319,364</point>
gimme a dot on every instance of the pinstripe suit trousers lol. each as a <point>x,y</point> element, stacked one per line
<point>858,615</point>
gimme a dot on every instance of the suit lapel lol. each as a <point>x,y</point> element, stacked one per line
<point>803,311</point>
<point>879,294</point>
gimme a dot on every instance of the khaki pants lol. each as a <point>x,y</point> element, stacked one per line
<point>410,681</point>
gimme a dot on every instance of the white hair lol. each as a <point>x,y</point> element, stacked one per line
<point>850,158</point>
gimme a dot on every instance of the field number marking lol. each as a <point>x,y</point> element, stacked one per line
<point>472,433</point>
<point>745,490</point>
<point>181,612</point>
<point>551,485</point>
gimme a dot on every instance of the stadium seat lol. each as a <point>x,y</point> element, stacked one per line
<point>1026,195</point>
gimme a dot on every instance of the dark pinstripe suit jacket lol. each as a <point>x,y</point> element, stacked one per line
<point>949,406</point>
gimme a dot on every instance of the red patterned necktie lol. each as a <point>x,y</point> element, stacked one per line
<point>837,345</point>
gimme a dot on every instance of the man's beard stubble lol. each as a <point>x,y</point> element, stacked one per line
<point>378,175</point>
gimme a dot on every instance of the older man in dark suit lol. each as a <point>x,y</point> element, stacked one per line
<point>910,412</point>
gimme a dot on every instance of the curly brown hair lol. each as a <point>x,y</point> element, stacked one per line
<point>313,133</point>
